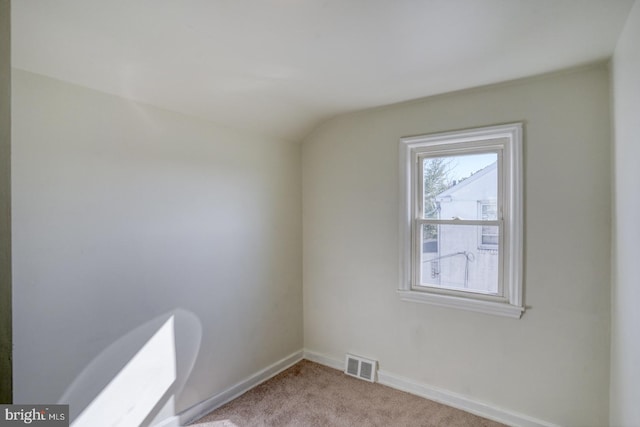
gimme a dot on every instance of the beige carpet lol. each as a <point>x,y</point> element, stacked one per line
<point>309,394</point>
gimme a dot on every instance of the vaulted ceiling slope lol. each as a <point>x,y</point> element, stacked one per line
<point>280,67</point>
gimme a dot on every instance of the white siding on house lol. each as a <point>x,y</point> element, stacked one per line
<point>461,260</point>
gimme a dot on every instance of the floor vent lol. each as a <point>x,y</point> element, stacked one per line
<point>359,367</point>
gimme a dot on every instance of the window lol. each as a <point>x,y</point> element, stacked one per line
<point>461,219</point>
<point>488,236</point>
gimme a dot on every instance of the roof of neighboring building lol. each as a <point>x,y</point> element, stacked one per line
<point>476,176</point>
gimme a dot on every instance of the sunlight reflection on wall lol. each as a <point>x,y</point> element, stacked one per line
<point>134,381</point>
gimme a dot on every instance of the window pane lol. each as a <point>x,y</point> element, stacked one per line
<point>452,257</point>
<point>454,185</point>
<point>489,237</point>
<point>488,210</point>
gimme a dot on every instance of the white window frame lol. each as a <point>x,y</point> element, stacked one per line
<point>507,141</point>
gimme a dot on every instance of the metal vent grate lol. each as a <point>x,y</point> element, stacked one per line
<point>366,369</point>
<point>352,367</point>
<point>360,367</point>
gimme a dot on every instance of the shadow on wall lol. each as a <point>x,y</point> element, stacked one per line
<point>134,381</point>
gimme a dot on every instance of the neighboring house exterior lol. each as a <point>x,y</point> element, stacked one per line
<point>466,256</point>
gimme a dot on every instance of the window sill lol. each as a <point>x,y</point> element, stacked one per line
<point>487,307</point>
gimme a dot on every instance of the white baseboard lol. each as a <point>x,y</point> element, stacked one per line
<point>203,408</point>
<point>324,360</point>
<point>445,397</point>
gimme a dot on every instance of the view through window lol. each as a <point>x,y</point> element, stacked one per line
<point>464,255</point>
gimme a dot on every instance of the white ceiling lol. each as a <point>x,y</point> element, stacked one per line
<point>280,67</point>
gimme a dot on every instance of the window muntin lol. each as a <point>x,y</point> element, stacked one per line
<point>462,219</point>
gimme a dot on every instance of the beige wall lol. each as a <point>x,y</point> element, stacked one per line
<point>553,364</point>
<point>625,327</point>
<point>5,202</point>
<point>122,212</point>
